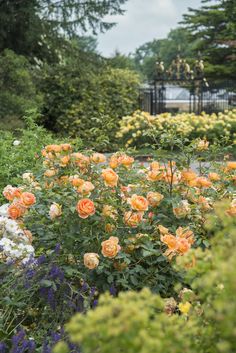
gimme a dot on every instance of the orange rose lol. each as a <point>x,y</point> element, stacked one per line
<point>125,160</point>
<point>182,210</point>
<point>230,166</point>
<point>133,219</point>
<point>64,161</point>
<point>91,260</point>
<point>109,228</point>
<point>98,158</point>
<point>203,202</point>
<point>138,203</point>
<point>203,182</point>
<point>188,176</point>
<point>110,247</point>
<point>27,199</point>
<point>163,230</point>
<point>154,165</point>
<point>110,177</point>
<point>154,198</point>
<point>81,160</point>
<point>86,188</point>
<point>10,193</point>
<point>155,175</point>
<point>182,245</point>
<point>50,173</point>
<point>170,240</point>
<point>16,210</point>
<point>85,208</point>
<point>186,234</point>
<point>76,181</point>
<point>66,147</point>
<point>109,211</point>
<point>113,162</point>
<point>53,148</point>
<point>214,176</point>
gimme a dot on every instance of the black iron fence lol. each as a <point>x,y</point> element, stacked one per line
<point>176,98</point>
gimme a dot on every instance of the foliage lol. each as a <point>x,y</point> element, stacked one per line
<point>17,88</point>
<point>199,321</point>
<point>213,26</point>
<point>19,150</point>
<point>142,128</point>
<point>87,100</point>
<point>98,227</point>
<point>36,28</point>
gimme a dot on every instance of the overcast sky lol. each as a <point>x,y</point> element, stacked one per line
<point>143,21</point>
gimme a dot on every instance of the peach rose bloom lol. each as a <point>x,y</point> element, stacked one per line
<point>230,166</point>
<point>64,161</point>
<point>27,199</point>
<point>232,209</point>
<point>169,240</point>
<point>28,235</point>
<point>188,175</point>
<point>110,177</point>
<point>125,160</point>
<point>91,260</point>
<point>186,234</point>
<point>138,203</point>
<point>203,202</point>
<point>203,182</point>
<point>182,210</point>
<point>86,188</point>
<point>202,145</point>
<point>154,198</point>
<point>50,173</point>
<point>81,160</point>
<point>66,147</point>
<point>171,177</point>
<point>16,210</point>
<point>113,162</point>
<point>110,247</point>
<point>133,219</point>
<point>154,165</point>
<point>163,230</point>
<point>155,175</point>
<point>109,228</point>
<point>182,245</point>
<point>10,192</point>
<point>55,210</point>
<point>109,211</point>
<point>76,181</point>
<point>214,176</point>
<point>98,158</point>
<point>53,148</point>
<point>85,208</point>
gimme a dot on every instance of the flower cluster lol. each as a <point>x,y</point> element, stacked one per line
<point>15,241</point>
<point>189,125</point>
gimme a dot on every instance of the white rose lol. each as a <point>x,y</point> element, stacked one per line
<point>16,143</point>
<point>55,210</point>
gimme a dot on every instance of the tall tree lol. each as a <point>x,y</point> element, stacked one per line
<point>34,27</point>
<point>214,26</point>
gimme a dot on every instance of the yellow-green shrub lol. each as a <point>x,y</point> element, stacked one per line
<point>141,127</point>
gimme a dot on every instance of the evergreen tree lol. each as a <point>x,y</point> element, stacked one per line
<point>214,27</point>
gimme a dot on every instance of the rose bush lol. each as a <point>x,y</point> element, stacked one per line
<point>121,224</point>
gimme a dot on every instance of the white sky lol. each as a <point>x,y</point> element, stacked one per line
<point>143,21</point>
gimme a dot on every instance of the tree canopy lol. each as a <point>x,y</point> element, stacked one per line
<point>214,28</point>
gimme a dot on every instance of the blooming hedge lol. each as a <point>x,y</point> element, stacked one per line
<point>98,223</point>
<point>141,127</point>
